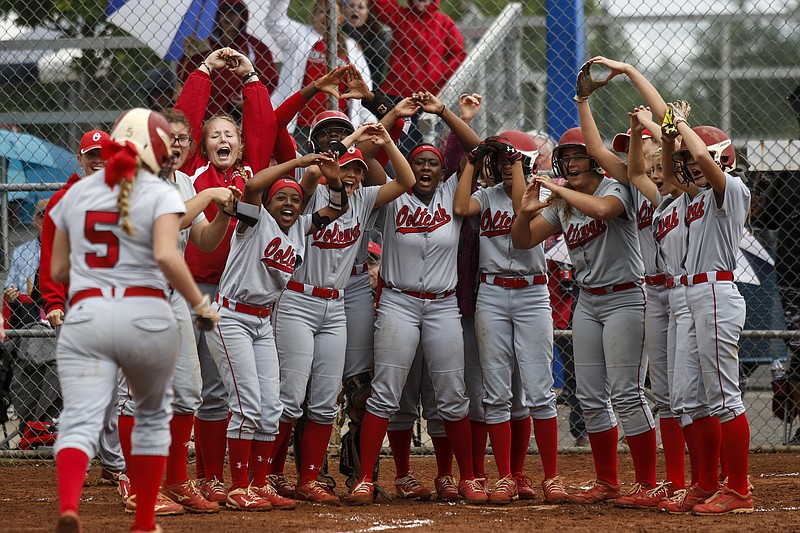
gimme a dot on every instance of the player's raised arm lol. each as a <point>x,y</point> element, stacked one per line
<point>530,229</point>
<point>636,168</point>
<point>264,179</point>
<point>338,202</point>
<point>431,104</point>
<point>650,94</point>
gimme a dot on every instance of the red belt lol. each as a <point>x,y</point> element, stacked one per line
<point>239,307</point>
<point>608,289</point>
<point>514,283</point>
<point>319,292</point>
<point>128,292</point>
<point>705,277</point>
<point>672,282</point>
<point>656,281</point>
<point>359,269</point>
<point>429,295</point>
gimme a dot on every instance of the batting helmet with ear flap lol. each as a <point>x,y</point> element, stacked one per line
<point>572,138</point>
<point>324,120</point>
<point>719,146</point>
<point>525,145</point>
<point>149,132</point>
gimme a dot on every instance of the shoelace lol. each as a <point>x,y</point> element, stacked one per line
<point>448,483</point>
<point>362,487</point>
<point>680,496</point>
<point>191,486</point>
<point>474,485</point>
<point>635,489</point>
<point>316,486</point>
<point>658,490</point>
<point>554,485</point>
<point>522,479</point>
<point>504,485</point>
<point>409,480</point>
<point>215,485</point>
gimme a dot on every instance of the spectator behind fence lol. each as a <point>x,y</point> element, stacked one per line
<point>372,36</point>
<point>159,89</point>
<point>35,391</point>
<point>303,47</point>
<point>426,50</point>
<point>230,30</point>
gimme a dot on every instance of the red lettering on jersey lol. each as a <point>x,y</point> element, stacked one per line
<point>494,226</point>
<point>666,224</point>
<point>336,237</point>
<point>644,218</point>
<point>421,220</point>
<point>695,211</point>
<point>580,235</point>
<point>279,258</point>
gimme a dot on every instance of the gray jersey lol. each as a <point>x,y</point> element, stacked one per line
<point>187,192</point>
<point>101,254</point>
<point>497,254</point>
<point>715,232</point>
<point>331,251</point>
<point>262,259</point>
<point>420,242</point>
<point>644,223</point>
<point>669,232</point>
<point>603,252</point>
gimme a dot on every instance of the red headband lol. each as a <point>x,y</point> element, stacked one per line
<point>425,148</point>
<point>281,184</point>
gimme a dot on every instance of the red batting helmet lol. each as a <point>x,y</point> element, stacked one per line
<point>719,146</point>
<point>324,120</point>
<point>524,145</point>
<point>572,138</point>
<point>149,132</point>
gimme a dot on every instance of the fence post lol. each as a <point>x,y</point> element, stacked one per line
<point>565,55</point>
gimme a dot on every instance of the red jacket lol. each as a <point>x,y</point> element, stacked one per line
<point>54,294</point>
<point>426,47</point>
<point>224,82</point>
<point>258,136</point>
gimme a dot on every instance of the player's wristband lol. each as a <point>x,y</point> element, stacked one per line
<point>338,198</point>
<point>250,75</point>
<point>378,106</point>
<point>320,221</point>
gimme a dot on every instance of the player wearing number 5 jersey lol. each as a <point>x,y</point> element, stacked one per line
<point>599,224</point>
<point>264,253</point>
<point>513,318</point>
<point>117,230</point>
<point>310,313</point>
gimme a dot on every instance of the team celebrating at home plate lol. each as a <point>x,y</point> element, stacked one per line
<point>266,245</point>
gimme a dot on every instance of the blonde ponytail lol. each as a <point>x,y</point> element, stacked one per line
<point>123,200</point>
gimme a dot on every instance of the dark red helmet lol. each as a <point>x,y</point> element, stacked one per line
<point>720,147</point>
<point>525,145</point>
<point>572,138</point>
<point>328,119</point>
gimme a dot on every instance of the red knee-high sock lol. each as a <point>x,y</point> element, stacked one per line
<point>148,470</point>
<point>643,453</point>
<point>180,429</point>
<point>281,448</point>
<point>238,456</point>
<point>314,446</point>
<point>708,435</point>
<point>604,455</point>
<point>480,430</point>
<point>459,434</point>
<point>500,435</point>
<point>200,471</point>
<point>373,429</point>
<point>674,451</point>
<point>546,434</point>
<point>400,442</point>
<point>691,446</point>
<point>444,456</point>
<point>520,440</point>
<point>125,430</point>
<point>215,440</point>
<point>260,453</point>
<point>71,465</point>
<point>736,443</point>
<point>723,462</point>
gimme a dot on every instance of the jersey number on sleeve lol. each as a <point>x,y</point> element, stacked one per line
<point>107,237</point>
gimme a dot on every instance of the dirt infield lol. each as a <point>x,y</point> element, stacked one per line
<point>28,503</point>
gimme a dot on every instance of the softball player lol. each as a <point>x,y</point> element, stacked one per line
<point>715,220</point>
<point>416,305</point>
<point>223,155</point>
<point>513,318</point>
<point>116,231</point>
<point>310,313</point>
<point>597,218</point>
<point>262,259</point>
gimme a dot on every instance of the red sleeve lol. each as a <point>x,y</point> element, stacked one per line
<point>384,10</point>
<point>265,65</point>
<point>193,101</point>
<point>53,294</point>
<point>259,127</point>
<point>452,56</point>
<point>284,147</point>
<point>395,133</point>
<point>288,109</point>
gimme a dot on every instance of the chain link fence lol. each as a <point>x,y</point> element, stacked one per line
<point>70,67</point>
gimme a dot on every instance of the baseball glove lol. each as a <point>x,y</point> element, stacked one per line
<point>205,318</point>
<point>585,85</point>
<point>676,112</point>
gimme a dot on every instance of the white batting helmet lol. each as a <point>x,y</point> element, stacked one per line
<point>149,132</point>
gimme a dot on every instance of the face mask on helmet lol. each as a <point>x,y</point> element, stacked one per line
<point>561,163</point>
<point>720,148</point>
<point>328,127</point>
<point>149,132</point>
<point>523,143</point>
